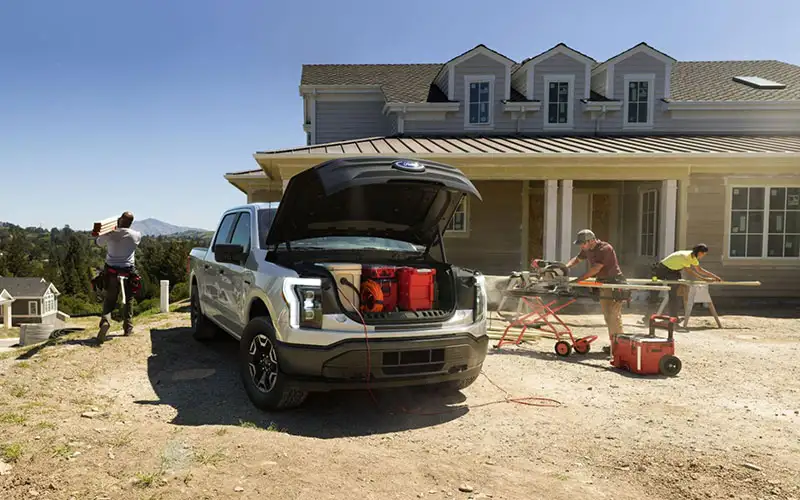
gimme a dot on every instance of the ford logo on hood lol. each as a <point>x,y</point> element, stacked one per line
<point>409,166</point>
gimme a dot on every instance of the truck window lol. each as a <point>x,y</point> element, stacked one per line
<point>224,231</point>
<point>265,218</point>
<point>241,234</point>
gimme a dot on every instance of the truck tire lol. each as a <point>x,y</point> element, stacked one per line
<point>202,327</point>
<point>259,361</point>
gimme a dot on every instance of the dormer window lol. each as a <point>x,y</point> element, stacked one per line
<point>558,101</point>
<point>479,98</point>
<point>639,101</point>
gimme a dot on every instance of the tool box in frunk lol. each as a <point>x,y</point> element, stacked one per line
<point>648,354</point>
<point>416,288</point>
<point>385,277</point>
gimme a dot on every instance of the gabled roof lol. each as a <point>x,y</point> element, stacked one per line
<point>639,47</point>
<point>5,296</point>
<point>26,287</point>
<point>713,81</point>
<point>561,48</point>
<point>480,49</point>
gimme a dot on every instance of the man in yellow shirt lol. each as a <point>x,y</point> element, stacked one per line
<point>669,269</point>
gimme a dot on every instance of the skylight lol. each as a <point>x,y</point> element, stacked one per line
<point>758,82</point>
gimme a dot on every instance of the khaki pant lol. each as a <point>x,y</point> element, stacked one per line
<point>612,313</point>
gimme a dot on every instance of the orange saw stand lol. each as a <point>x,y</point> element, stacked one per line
<point>648,354</point>
<point>538,315</point>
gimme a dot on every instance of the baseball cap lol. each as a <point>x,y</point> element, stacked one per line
<point>584,235</point>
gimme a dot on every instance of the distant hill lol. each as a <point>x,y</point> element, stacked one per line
<point>155,227</point>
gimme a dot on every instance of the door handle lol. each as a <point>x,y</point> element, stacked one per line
<point>246,282</point>
<point>221,271</point>
<point>206,266</point>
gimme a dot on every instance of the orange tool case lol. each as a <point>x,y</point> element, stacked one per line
<point>648,354</point>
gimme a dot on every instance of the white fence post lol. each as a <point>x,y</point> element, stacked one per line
<point>164,296</point>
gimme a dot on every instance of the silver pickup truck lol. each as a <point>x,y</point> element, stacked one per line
<point>289,281</point>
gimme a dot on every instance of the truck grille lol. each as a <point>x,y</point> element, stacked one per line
<point>413,362</point>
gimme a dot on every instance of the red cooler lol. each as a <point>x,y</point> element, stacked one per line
<point>416,287</point>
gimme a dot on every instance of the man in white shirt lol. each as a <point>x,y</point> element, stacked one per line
<point>121,245</point>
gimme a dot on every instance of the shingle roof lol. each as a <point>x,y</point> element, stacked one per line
<point>521,144</point>
<point>691,80</point>
<point>400,82</point>
<point>24,287</point>
<point>713,81</point>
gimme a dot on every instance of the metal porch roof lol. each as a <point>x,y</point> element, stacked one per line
<point>544,145</point>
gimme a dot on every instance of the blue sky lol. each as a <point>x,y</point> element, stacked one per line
<point>143,106</point>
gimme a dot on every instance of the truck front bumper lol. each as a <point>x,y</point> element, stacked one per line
<point>392,362</point>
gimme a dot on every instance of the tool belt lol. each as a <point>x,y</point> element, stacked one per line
<point>133,279</point>
<point>617,294</point>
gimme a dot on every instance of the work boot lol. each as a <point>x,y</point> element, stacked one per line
<point>128,331</point>
<point>101,333</point>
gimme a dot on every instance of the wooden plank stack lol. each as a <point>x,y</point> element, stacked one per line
<point>104,226</point>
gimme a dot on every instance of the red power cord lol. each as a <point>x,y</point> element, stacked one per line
<point>528,401</point>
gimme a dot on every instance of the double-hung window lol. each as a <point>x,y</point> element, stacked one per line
<point>479,98</point>
<point>764,222</point>
<point>639,99</point>
<point>558,91</point>
<point>458,224</point>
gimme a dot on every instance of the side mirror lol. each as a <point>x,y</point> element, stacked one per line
<point>229,254</point>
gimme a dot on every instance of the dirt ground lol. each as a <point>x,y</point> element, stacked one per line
<point>160,416</point>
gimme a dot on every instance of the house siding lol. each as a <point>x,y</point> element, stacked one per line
<point>637,63</point>
<point>346,120</point>
<point>494,241</point>
<point>454,123</point>
<point>706,224</point>
<point>560,64</point>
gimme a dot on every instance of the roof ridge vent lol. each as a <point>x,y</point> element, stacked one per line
<point>758,83</point>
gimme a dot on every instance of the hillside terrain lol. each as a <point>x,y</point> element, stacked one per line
<point>161,416</point>
<point>155,227</point>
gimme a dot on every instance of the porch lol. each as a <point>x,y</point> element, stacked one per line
<point>645,195</point>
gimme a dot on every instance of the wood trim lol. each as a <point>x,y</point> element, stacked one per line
<point>683,212</point>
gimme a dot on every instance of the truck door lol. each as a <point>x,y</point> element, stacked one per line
<point>211,293</point>
<point>239,277</point>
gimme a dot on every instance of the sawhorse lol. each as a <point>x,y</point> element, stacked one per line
<point>697,293</point>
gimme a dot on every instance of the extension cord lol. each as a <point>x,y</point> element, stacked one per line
<point>528,401</point>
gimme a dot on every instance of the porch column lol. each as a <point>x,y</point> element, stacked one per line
<point>550,219</point>
<point>667,217</point>
<point>7,315</point>
<point>566,220</point>
<point>525,230</point>
<point>285,183</point>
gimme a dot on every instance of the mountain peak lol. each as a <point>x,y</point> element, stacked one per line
<point>155,227</point>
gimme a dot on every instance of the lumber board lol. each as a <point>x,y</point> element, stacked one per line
<point>695,282</point>
<point>621,286</point>
<point>104,226</point>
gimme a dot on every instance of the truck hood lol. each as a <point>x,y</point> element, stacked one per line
<point>402,199</point>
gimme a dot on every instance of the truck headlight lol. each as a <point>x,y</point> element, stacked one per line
<point>479,312</point>
<point>304,298</point>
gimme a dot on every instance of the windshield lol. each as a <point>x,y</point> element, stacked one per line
<point>355,243</point>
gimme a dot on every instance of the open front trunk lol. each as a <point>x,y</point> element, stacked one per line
<point>407,292</point>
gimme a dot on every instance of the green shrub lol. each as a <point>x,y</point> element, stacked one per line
<point>179,292</point>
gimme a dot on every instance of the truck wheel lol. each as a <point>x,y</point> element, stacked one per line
<point>260,369</point>
<point>202,327</point>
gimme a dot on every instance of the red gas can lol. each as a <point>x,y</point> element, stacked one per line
<point>416,288</point>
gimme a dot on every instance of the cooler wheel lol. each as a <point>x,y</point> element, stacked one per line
<point>563,348</point>
<point>669,365</point>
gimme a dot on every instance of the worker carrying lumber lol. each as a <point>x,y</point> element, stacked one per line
<point>670,267</point>
<point>604,267</point>
<point>121,244</point>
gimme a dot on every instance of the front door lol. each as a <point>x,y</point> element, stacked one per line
<point>581,219</point>
<point>535,227</point>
